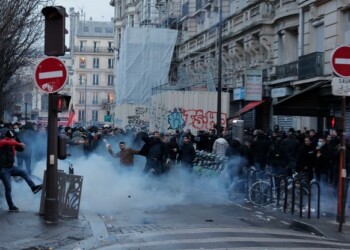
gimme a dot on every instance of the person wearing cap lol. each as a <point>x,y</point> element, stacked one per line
<point>8,148</point>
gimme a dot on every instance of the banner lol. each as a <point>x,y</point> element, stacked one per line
<point>253,85</point>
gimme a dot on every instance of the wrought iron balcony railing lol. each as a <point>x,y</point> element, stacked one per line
<point>287,70</point>
<point>310,65</point>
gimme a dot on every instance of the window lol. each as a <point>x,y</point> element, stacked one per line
<point>82,63</point>
<point>95,79</point>
<point>319,34</point>
<point>82,46</point>
<point>82,79</point>
<point>96,63</point>
<point>110,63</point>
<point>110,97</point>
<point>132,22</point>
<point>44,102</point>
<point>96,46</point>
<point>109,29</point>
<point>86,29</point>
<point>98,29</point>
<point>110,80</point>
<point>81,115</point>
<point>110,46</point>
<point>119,36</point>
<point>347,28</point>
<point>95,115</point>
<point>82,97</point>
<point>94,98</point>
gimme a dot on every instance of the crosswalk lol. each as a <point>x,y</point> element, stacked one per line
<point>224,238</point>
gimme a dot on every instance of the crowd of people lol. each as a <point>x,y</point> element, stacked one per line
<point>282,152</point>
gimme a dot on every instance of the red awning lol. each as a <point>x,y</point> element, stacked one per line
<point>248,107</point>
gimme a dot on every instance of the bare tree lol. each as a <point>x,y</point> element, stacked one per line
<point>21,39</point>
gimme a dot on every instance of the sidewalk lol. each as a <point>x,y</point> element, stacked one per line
<point>32,232</point>
<point>89,231</point>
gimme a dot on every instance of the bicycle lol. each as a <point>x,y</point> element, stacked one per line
<point>263,192</point>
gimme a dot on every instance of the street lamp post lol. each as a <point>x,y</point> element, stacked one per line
<point>85,115</point>
<point>218,117</point>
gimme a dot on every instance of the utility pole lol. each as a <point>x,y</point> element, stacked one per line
<point>218,115</point>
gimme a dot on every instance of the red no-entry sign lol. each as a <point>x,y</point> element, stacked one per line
<point>340,61</point>
<point>50,75</point>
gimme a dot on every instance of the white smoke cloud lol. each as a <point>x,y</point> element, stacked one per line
<point>109,187</point>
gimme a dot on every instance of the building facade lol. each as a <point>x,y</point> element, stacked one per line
<point>92,52</point>
<point>287,44</point>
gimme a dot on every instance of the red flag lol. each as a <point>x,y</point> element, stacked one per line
<point>71,116</point>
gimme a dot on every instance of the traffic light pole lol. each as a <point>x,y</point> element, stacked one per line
<point>55,31</point>
<point>342,171</point>
<point>51,199</point>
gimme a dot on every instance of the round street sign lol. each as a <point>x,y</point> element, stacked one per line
<point>340,61</point>
<point>50,74</point>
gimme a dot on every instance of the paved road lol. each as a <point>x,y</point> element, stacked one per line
<point>208,227</point>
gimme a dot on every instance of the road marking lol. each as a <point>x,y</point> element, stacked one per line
<point>342,61</point>
<point>259,240</point>
<point>51,74</point>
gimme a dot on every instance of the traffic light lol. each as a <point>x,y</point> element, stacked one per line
<point>60,102</point>
<point>55,30</point>
<point>334,122</point>
<point>62,147</point>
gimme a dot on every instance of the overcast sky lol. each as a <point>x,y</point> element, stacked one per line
<point>99,10</point>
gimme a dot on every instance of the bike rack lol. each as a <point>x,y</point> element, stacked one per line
<point>314,183</point>
<point>293,193</point>
<point>301,197</point>
<point>284,179</point>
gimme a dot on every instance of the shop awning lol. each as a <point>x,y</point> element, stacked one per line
<point>248,107</point>
<point>308,102</point>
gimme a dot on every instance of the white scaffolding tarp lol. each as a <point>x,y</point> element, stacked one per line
<point>144,62</point>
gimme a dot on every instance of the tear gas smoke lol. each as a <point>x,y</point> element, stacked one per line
<point>109,187</point>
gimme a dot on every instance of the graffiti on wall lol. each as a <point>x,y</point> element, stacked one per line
<point>139,120</point>
<point>195,118</point>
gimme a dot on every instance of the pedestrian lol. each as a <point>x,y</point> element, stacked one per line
<point>291,146</point>
<point>277,158</point>
<point>187,154</point>
<point>8,147</point>
<point>25,135</point>
<point>306,159</point>
<point>173,150</point>
<point>155,152</point>
<point>220,146</point>
<point>125,155</point>
<point>260,147</point>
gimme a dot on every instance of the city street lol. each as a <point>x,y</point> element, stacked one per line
<point>189,222</point>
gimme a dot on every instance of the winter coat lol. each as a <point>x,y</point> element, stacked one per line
<point>8,152</point>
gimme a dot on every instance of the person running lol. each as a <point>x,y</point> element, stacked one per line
<point>8,148</point>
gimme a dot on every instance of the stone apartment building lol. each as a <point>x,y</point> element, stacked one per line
<point>92,54</point>
<point>287,43</point>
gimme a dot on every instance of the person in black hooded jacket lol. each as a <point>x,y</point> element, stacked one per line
<point>155,152</point>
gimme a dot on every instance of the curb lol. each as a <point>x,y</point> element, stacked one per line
<point>300,225</point>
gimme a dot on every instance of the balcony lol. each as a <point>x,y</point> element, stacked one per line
<point>107,104</point>
<point>91,49</point>
<point>287,70</point>
<point>310,65</point>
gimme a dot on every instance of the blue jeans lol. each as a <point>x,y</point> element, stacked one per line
<point>5,176</point>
